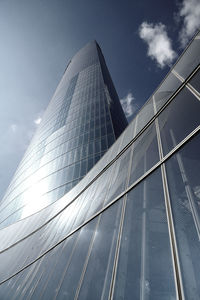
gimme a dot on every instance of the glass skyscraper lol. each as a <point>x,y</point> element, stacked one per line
<point>82,121</point>
<point>130,229</point>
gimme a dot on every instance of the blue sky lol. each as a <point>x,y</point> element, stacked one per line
<point>140,41</point>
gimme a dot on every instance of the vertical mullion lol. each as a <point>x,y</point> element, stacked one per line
<point>144,244</point>
<point>175,256</point>
<point>87,259</point>
<point>89,253</point>
<point>67,265</point>
<point>187,187</point>
<point>114,272</point>
<point>172,236</point>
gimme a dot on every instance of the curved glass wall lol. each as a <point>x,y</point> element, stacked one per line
<point>131,227</point>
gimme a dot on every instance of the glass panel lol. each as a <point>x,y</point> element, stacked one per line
<point>189,60</point>
<point>166,90</point>
<point>119,176</point>
<point>145,153</point>
<point>96,201</point>
<point>144,268</point>
<point>98,274</point>
<point>129,133</point>
<point>42,273</point>
<point>70,277</point>
<point>195,81</point>
<point>183,172</point>
<point>11,288</point>
<point>179,118</point>
<point>145,115</point>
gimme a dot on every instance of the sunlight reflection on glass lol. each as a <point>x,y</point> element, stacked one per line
<point>33,196</point>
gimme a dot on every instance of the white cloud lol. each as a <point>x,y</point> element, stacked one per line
<point>13,127</point>
<point>128,104</point>
<point>38,121</point>
<point>159,44</point>
<point>190,12</point>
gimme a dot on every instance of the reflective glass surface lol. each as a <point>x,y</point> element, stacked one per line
<point>145,153</point>
<point>97,275</point>
<point>144,269</point>
<point>189,60</point>
<point>119,176</point>
<point>82,121</point>
<point>71,271</point>
<point>179,118</point>
<point>166,90</point>
<point>97,242</point>
<point>183,173</point>
<point>195,81</point>
<point>144,115</point>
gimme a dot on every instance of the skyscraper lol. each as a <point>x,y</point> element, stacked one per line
<point>82,121</point>
<point>130,228</point>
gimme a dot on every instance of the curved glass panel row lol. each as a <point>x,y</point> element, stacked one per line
<point>142,155</point>
<point>85,260</point>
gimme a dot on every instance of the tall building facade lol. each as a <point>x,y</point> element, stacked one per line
<point>130,229</point>
<point>82,121</point>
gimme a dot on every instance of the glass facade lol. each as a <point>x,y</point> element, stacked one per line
<point>82,121</point>
<point>130,229</point>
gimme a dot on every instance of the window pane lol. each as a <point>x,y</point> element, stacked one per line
<point>98,274</point>
<point>166,90</point>
<point>118,176</point>
<point>42,274</point>
<point>59,268</point>
<point>11,289</point>
<point>183,172</point>
<point>70,277</point>
<point>145,265</point>
<point>129,133</point>
<point>195,81</point>
<point>145,115</point>
<point>179,118</point>
<point>189,61</point>
<point>145,153</point>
